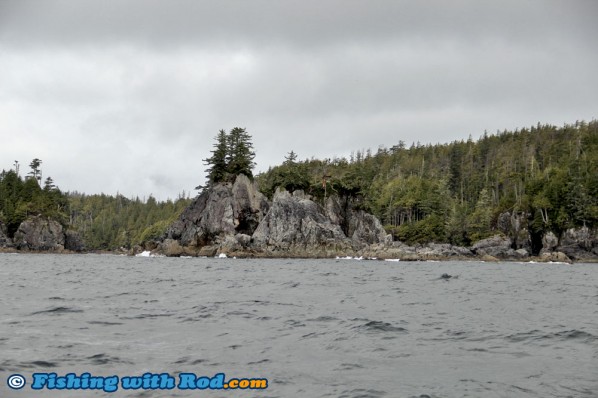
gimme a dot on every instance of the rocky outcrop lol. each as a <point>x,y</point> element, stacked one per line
<point>549,242</point>
<point>5,241</point>
<point>555,257</point>
<point>431,251</point>
<point>39,233</point>
<point>362,228</point>
<point>73,241</point>
<point>298,226</point>
<point>514,226</point>
<point>579,244</point>
<point>237,220</point>
<point>222,210</point>
<point>496,246</point>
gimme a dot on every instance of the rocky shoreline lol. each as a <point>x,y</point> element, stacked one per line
<point>236,220</point>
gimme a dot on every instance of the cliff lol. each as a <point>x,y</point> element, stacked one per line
<point>236,219</point>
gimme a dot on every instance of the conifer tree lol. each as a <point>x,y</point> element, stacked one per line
<point>218,163</point>
<point>240,153</point>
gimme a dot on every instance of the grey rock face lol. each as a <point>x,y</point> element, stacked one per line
<point>549,242</point>
<point>39,233</point>
<point>225,209</point>
<point>495,246</point>
<point>296,222</point>
<point>515,227</point>
<point>366,229</point>
<point>361,227</point>
<point>579,243</point>
<point>73,241</point>
<point>5,241</point>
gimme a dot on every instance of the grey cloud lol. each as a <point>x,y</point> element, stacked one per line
<point>310,22</point>
<point>127,96</point>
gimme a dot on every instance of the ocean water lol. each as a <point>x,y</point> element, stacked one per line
<point>312,328</point>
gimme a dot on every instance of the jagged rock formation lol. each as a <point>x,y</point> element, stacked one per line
<point>236,219</point>
<point>496,246</point>
<point>39,233</point>
<point>296,224</point>
<point>362,228</point>
<point>579,244</point>
<point>223,210</point>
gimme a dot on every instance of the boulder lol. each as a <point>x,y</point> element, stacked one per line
<point>549,242</point>
<point>557,257</point>
<point>443,251</point>
<point>39,233</point>
<point>495,246</point>
<point>73,241</point>
<point>579,243</point>
<point>5,241</point>
<point>170,248</point>
<point>521,253</point>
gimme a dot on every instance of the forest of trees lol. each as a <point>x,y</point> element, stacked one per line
<point>110,222</point>
<point>103,221</point>
<point>451,192</point>
<point>455,192</point>
<point>22,197</point>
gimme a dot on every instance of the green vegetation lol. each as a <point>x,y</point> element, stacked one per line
<point>455,192</point>
<point>103,221</point>
<point>21,198</point>
<point>546,175</point>
<point>111,222</point>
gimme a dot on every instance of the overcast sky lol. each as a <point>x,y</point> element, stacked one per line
<point>127,96</point>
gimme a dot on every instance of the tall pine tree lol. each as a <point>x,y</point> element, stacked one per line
<point>232,155</point>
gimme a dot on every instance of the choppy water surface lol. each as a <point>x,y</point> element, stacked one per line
<point>313,328</point>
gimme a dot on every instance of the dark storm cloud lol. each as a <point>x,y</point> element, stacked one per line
<point>127,95</point>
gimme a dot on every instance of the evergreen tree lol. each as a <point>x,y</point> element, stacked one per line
<point>232,155</point>
<point>35,171</point>
<point>240,153</point>
<point>218,162</point>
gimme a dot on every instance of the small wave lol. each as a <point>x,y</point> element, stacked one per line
<point>362,393</point>
<point>349,366</point>
<point>323,318</point>
<point>258,362</point>
<point>379,326</point>
<point>104,323</point>
<point>537,335</point>
<point>57,310</point>
<point>103,359</point>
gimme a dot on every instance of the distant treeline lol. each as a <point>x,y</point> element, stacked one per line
<point>111,222</point>
<point>22,197</point>
<point>455,192</point>
<point>103,221</point>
